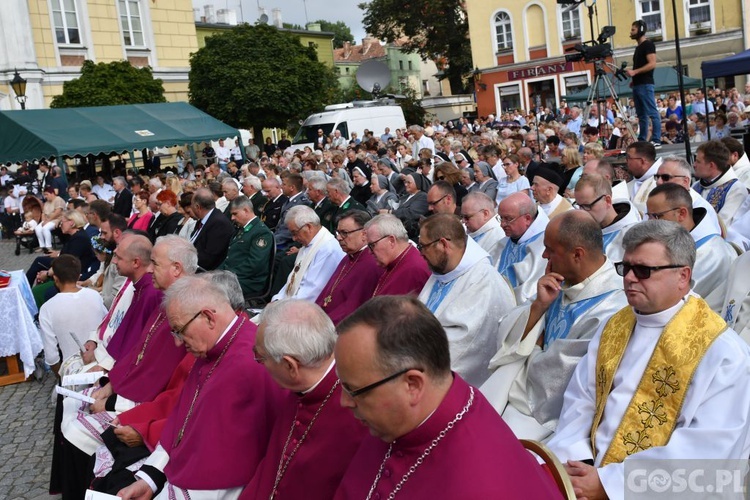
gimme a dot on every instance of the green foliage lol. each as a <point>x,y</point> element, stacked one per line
<point>436,30</point>
<point>290,26</point>
<point>340,29</point>
<point>412,106</point>
<point>110,84</point>
<point>353,93</point>
<point>259,76</point>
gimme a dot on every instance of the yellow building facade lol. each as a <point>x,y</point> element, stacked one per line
<point>519,47</point>
<point>46,41</point>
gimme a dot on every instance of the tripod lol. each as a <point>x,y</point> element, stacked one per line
<point>594,97</point>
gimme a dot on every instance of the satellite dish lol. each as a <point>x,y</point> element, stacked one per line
<point>373,76</point>
<point>264,19</point>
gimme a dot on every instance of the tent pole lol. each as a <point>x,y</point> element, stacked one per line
<point>131,155</point>
<point>680,82</point>
<point>191,150</point>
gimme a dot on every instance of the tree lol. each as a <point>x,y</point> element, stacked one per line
<point>110,84</point>
<point>436,30</point>
<point>259,76</point>
<point>341,32</point>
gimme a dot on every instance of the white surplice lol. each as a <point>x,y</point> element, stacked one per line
<point>527,265</point>
<point>489,235</point>
<point>736,307</point>
<point>639,188</point>
<point>469,301</point>
<point>613,234</point>
<point>733,198</point>
<point>713,258</point>
<point>714,421</point>
<point>527,384</point>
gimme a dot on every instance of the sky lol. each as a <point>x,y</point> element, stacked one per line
<point>293,11</point>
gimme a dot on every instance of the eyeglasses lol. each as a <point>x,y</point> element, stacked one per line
<point>507,164</point>
<point>587,206</point>
<point>659,215</point>
<point>345,234</point>
<point>628,157</point>
<point>433,203</point>
<point>422,246</point>
<point>368,388</point>
<point>257,357</point>
<point>297,231</point>
<point>667,177</point>
<point>441,178</point>
<point>179,334</point>
<point>507,222</point>
<point>467,217</point>
<point>372,245</point>
<point>641,272</point>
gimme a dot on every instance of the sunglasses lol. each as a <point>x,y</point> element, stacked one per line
<point>639,271</point>
<point>668,177</point>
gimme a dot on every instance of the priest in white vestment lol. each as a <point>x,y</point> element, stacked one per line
<point>593,194</point>
<point>642,165</point>
<point>464,293</point>
<point>713,257</point>
<point>480,217</point>
<point>518,256</point>
<point>544,340</point>
<point>663,379</point>
<point>736,307</point>
<point>717,182</point>
<point>316,260</point>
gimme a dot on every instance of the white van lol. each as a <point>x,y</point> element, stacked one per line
<point>350,117</point>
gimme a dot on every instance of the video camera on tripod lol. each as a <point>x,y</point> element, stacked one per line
<point>594,50</point>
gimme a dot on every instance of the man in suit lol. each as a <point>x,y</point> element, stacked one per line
<point>338,193</point>
<point>123,204</point>
<point>212,232</point>
<point>316,191</point>
<point>251,187</point>
<point>276,200</point>
<point>292,186</point>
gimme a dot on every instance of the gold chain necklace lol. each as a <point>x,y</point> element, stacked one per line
<point>157,323</point>
<point>198,389</point>
<point>344,272</point>
<point>382,280</point>
<point>283,464</point>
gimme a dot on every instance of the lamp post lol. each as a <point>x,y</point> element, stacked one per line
<point>19,87</point>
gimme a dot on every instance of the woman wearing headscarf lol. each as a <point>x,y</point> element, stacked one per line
<point>485,178</point>
<point>381,196</point>
<point>361,190</point>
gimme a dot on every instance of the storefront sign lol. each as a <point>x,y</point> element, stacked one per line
<point>541,70</point>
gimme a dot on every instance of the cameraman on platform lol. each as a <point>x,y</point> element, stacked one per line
<point>644,62</point>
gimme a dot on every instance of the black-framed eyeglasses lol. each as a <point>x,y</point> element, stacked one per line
<point>422,246</point>
<point>368,388</point>
<point>660,215</point>
<point>433,203</point>
<point>467,217</point>
<point>179,334</point>
<point>373,244</point>
<point>588,206</point>
<point>668,177</point>
<point>345,234</point>
<point>641,272</point>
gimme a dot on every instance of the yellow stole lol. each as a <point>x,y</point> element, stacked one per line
<point>651,416</point>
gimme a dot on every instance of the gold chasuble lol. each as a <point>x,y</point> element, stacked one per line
<point>651,416</point>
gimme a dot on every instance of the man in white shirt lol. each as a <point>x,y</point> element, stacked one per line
<point>316,260</point>
<point>421,141</point>
<point>663,379</point>
<point>222,155</point>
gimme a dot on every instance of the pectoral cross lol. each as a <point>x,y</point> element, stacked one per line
<point>326,301</point>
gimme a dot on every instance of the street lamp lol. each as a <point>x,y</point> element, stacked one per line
<point>19,87</point>
<point>478,78</point>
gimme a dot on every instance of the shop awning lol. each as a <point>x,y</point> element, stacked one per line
<point>35,134</point>
<point>665,80</point>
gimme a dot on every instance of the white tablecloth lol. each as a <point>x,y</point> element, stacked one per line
<point>18,333</point>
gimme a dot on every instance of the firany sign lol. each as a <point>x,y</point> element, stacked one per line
<point>541,70</point>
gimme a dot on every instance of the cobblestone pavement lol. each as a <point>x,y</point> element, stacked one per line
<point>26,414</point>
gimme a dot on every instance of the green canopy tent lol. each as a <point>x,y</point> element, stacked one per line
<point>36,134</point>
<point>665,80</point>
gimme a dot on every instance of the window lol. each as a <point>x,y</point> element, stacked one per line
<point>510,97</point>
<point>571,24</point>
<point>503,32</point>
<point>130,19</point>
<point>700,12</point>
<point>651,14</point>
<point>401,65</point>
<point>410,67</point>
<point>65,20</point>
